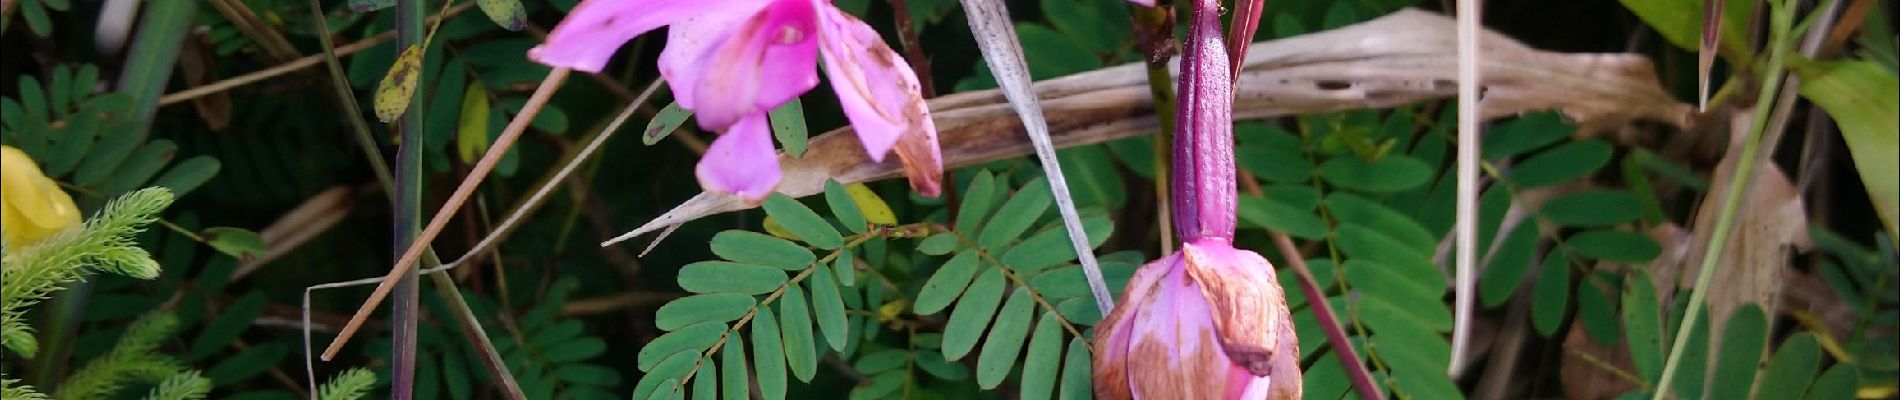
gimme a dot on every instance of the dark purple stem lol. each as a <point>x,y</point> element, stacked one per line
<point>1204,192</point>
<point>1329,322</point>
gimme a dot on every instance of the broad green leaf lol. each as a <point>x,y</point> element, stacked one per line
<point>801,350</point>
<point>1859,96</point>
<point>847,269</point>
<point>725,276</point>
<point>665,375</point>
<point>1005,341</point>
<point>1417,373</point>
<point>1791,369</point>
<point>1325,379</point>
<point>1051,247</point>
<point>1642,325</point>
<point>1550,299</point>
<point>1044,359</point>
<point>1593,208</point>
<point>1016,215</point>
<point>1093,179</point>
<point>508,14</point>
<point>844,208</point>
<point>1077,382</point>
<point>788,125</point>
<point>693,338</point>
<point>737,382</point>
<point>1743,339</point>
<point>972,315</point>
<point>1391,173</point>
<point>802,222</point>
<point>1692,369</point>
<point>719,307</point>
<point>188,174</point>
<point>938,244</point>
<point>1616,246</point>
<point>1506,269</point>
<point>881,360</point>
<point>1275,215</point>
<point>1524,134</point>
<point>1068,281</point>
<point>1839,382</point>
<point>398,87</point>
<point>664,123</point>
<point>1361,241</point>
<point>758,248</point>
<point>1080,310</point>
<point>977,199</point>
<point>1567,162</point>
<point>948,283</point>
<point>140,167</point>
<point>768,358</point>
<point>1385,316</point>
<point>235,242</point>
<point>471,130</point>
<point>828,306</point>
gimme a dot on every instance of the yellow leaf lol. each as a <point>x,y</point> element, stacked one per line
<point>775,229</point>
<point>889,311</point>
<point>393,95</point>
<point>471,134</point>
<point>32,206</point>
<point>874,209</point>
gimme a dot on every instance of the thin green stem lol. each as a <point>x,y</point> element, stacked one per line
<point>1781,19</point>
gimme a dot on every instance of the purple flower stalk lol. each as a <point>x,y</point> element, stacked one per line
<point>732,61</point>
<point>1210,321</point>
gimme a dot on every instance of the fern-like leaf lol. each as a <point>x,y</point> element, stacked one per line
<point>104,244</point>
<point>134,359</point>
<point>350,385</point>
<point>185,386</point>
<point>13,389</point>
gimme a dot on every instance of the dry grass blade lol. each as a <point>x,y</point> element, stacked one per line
<point>442,216</point>
<point>1390,61</point>
<point>1705,56</point>
<point>996,37</point>
<point>1467,227</point>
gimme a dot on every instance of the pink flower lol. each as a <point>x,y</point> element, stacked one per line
<point>731,61</point>
<point>1210,321</point>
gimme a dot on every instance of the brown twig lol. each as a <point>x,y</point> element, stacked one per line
<point>913,47</point>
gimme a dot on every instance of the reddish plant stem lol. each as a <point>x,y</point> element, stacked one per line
<point>913,47</point>
<point>1240,34</point>
<point>1329,321</point>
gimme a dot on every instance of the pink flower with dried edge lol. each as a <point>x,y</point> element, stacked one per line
<point>733,61</point>
<point>1209,321</point>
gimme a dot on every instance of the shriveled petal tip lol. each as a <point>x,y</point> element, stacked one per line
<point>923,160</point>
<point>766,60</point>
<point>1143,3</point>
<point>876,88</point>
<point>1111,367</point>
<point>1248,305</point>
<point>595,29</point>
<point>741,161</point>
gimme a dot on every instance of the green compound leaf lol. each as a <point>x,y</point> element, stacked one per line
<point>945,285</point>
<point>843,207</point>
<point>802,222</point>
<point>693,338</point>
<point>1594,208</point>
<point>801,353</point>
<point>664,377</point>
<point>720,307</point>
<point>828,306</point>
<point>1076,380</point>
<point>1550,299</point>
<point>1391,173</point>
<point>1044,360</point>
<point>1274,214</point>
<point>758,248</point>
<point>727,276</point>
<point>508,14</point>
<point>972,314</point>
<point>977,200</point>
<point>737,386</point>
<point>1005,341</point>
<point>1743,339</point>
<point>788,126</point>
<point>1016,215</point>
<point>768,361</point>
<point>1617,246</point>
<point>1642,325</point>
<point>1792,369</point>
<point>938,244</point>
<point>1567,162</point>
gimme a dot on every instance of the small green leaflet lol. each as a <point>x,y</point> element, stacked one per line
<point>664,123</point>
<point>788,125</point>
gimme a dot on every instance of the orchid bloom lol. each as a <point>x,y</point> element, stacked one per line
<point>32,206</point>
<point>1210,321</point>
<point>732,61</point>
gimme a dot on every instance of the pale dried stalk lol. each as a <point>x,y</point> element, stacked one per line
<point>1394,60</point>
<point>1467,227</point>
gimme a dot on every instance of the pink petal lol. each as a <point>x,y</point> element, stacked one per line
<point>1175,350</point>
<point>881,97</point>
<point>1111,368</point>
<point>1143,3</point>
<point>767,60</point>
<point>741,161</point>
<point>691,38</point>
<point>590,35</point>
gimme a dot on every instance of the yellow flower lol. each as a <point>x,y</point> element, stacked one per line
<point>32,207</point>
